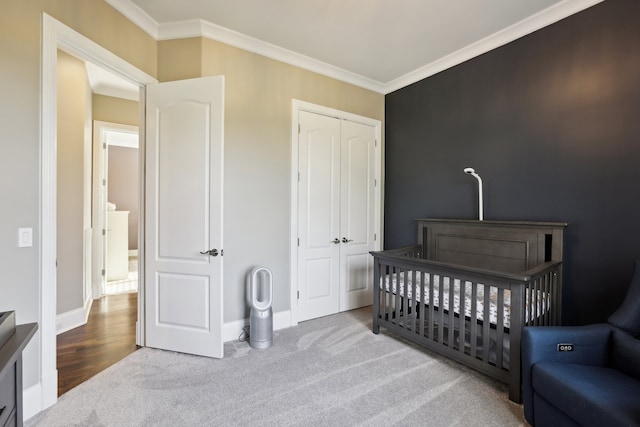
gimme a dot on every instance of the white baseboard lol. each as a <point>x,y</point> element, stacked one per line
<point>232,330</point>
<point>74,318</point>
<point>33,400</point>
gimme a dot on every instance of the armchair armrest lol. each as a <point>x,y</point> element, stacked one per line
<point>540,343</point>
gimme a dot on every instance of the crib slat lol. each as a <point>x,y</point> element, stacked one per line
<point>556,298</point>
<point>385,293</point>
<point>527,303</point>
<point>549,298</point>
<point>474,320</point>
<point>423,304</point>
<point>441,309</point>
<point>534,301</point>
<point>389,296</point>
<point>396,313</point>
<point>405,298</point>
<point>414,300</point>
<point>485,323</point>
<point>452,317</point>
<point>463,304</point>
<point>499,327</point>
<point>430,330</point>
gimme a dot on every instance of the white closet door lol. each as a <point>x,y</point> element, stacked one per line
<point>336,215</point>
<point>357,214</point>
<point>319,216</point>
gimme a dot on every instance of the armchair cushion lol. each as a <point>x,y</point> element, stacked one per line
<point>590,395</point>
<point>539,344</point>
<point>625,354</point>
<point>627,317</point>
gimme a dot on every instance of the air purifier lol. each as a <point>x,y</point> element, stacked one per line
<point>261,318</point>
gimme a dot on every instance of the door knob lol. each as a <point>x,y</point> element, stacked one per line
<point>345,240</point>
<point>336,241</point>
<point>211,252</point>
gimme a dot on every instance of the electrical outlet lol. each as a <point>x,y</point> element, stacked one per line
<point>565,347</point>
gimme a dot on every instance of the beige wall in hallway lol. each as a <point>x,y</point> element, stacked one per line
<point>74,111</point>
<point>123,162</point>
<point>116,110</point>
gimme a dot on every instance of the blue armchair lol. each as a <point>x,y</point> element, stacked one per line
<point>585,375</point>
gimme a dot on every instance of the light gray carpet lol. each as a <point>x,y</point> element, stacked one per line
<point>331,371</point>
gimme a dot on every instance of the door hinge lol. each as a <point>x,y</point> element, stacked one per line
<point>375,142</point>
<point>104,182</point>
<point>104,145</point>
<point>104,232</point>
<point>298,127</point>
<point>298,242</point>
<point>375,182</point>
<point>298,176</point>
<point>103,272</point>
<point>298,294</point>
<point>375,237</point>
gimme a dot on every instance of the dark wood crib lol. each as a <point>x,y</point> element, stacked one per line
<point>468,287</point>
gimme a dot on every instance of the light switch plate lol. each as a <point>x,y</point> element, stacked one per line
<point>25,237</point>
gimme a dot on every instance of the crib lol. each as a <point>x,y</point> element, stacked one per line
<point>468,288</point>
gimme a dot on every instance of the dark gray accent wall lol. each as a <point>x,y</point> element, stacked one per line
<point>551,122</point>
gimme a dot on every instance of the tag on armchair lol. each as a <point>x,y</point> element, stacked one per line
<point>565,347</point>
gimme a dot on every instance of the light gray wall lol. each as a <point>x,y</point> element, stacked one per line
<point>19,171</point>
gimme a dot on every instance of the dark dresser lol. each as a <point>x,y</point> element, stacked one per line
<point>13,339</point>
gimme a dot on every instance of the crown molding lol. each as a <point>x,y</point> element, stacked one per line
<point>199,28</point>
<point>520,29</point>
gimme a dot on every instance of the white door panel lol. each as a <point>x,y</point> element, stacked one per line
<point>357,214</point>
<point>319,216</point>
<point>183,199</point>
<point>178,290</point>
<point>184,177</point>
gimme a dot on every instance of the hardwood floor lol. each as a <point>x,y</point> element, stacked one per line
<point>108,336</point>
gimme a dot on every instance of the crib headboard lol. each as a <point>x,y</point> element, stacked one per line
<point>508,246</point>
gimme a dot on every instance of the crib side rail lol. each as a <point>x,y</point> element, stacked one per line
<point>410,257</point>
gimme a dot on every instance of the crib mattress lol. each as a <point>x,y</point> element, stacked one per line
<point>390,283</point>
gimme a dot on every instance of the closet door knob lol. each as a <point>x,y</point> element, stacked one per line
<point>335,241</point>
<point>210,252</point>
<point>345,240</point>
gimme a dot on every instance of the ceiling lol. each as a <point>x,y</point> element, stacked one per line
<point>381,45</point>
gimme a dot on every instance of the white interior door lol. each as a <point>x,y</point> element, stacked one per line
<point>319,216</point>
<point>336,214</point>
<point>184,173</point>
<point>357,215</point>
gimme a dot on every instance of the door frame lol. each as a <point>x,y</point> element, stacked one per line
<point>99,204</point>
<point>56,35</point>
<point>298,106</point>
